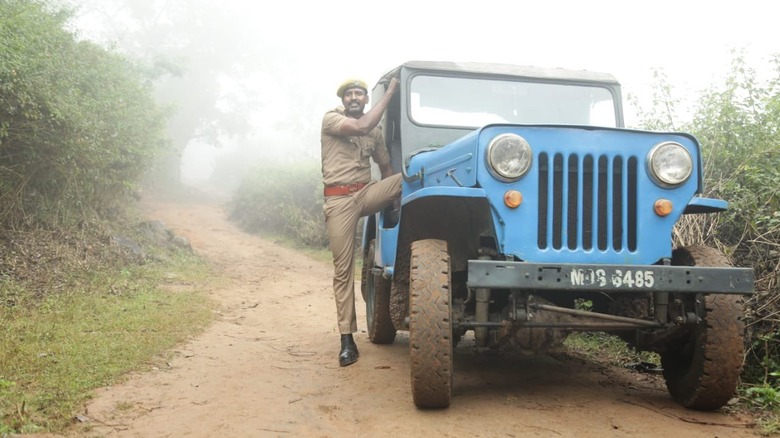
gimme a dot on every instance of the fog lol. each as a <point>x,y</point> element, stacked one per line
<point>249,81</point>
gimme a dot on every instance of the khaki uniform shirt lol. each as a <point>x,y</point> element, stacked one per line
<point>345,159</point>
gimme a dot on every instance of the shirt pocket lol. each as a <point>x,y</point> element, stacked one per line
<point>365,151</point>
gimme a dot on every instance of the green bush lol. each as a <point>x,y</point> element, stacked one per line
<point>78,124</point>
<point>285,200</point>
<point>737,123</point>
<point>55,350</point>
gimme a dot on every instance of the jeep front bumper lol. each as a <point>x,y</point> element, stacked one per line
<point>609,278</point>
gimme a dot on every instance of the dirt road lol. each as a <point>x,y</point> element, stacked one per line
<point>268,368</point>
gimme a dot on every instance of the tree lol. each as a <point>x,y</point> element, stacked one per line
<point>79,125</point>
<point>193,56</point>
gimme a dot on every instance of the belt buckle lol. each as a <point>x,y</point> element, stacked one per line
<point>353,187</point>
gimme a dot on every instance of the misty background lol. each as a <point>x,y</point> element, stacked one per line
<point>232,93</point>
<point>247,83</point>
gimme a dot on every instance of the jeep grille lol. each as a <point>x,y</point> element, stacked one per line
<point>587,202</point>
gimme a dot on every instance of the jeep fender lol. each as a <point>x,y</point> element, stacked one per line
<point>460,216</point>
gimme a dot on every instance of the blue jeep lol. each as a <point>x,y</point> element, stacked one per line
<point>529,212</point>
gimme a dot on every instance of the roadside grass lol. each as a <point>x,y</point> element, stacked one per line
<point>55,351</point>
<point>769,423</point>
<point>606,348</point>
<point>761,402</point>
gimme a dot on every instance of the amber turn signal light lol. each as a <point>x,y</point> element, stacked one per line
<point>513,198</point>
<point>663,207</point>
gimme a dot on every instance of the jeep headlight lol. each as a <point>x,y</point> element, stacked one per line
<point>670,164</point>
<point>509,157</point>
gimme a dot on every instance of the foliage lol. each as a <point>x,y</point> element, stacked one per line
<point>78,129</point>
<point>765,399</point>
<point>206,62</point>
<point>662,114</point>
<point>608,348</point>
<point>282,199</point>
<point>55,353</point>
<point>583,304</point>
<point>737,122</point>
<point>78,125</point>
<point>102,314</point>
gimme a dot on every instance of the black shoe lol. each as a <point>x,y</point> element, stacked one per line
<point>349,352</point>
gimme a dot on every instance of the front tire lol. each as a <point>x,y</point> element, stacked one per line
<point>430,324</point>
<point>702,369</point>
<point>376,293</point>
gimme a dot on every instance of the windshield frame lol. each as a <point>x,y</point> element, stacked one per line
<point>521,87</point>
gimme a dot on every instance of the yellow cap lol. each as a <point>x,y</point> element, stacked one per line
<point>351,83</point>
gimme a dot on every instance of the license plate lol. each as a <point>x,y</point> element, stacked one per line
<point>615,278</point>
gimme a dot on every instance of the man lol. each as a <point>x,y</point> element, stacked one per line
<point>348,138</point>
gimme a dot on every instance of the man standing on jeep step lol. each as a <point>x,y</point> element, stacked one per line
<point>349,137</point>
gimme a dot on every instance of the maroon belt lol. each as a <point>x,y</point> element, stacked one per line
<point>346,189</point>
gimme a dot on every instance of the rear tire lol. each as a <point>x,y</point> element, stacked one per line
<point>376,293</point>
<point>430,324</point>
<point>702,369</point>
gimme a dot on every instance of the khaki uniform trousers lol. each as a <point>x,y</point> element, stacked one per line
<point>342,214</point>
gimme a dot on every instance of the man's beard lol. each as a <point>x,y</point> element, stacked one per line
<point>354,111</point>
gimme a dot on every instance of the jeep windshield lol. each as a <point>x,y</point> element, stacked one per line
<point>468,102</point>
